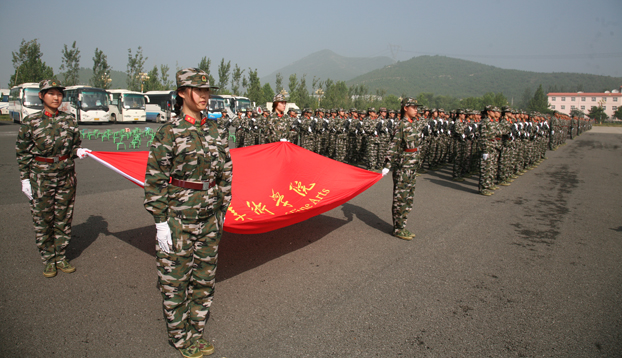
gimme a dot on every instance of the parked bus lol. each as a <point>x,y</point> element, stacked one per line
<point>4,101</point>
<point>87,104</point>
<point>236,102</point>
<point>217,104</point>
<point>127,106</point>
<point>160,105</point>
<point>23,101</point>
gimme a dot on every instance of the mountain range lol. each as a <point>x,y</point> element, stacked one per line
<point>439,75</point>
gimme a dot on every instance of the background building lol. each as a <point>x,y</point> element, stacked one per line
<point>565,102</point>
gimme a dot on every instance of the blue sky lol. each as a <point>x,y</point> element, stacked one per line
<point>541,36</point>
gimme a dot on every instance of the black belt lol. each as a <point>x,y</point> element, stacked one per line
<point>190,185</point>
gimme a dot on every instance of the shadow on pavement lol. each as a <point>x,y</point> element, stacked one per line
<point>83,235</point>
<point>239,253</point>
<point>366,216</point>
<point>444,178</point>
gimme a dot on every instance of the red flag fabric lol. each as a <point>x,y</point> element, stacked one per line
<point>274,185</point>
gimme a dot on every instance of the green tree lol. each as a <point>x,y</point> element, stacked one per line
<point>101,71</point>
<point>268,94</point>
<point>278,86</point>
<point>135,67</point>
<point>70,64</point>
<point>235,79</point>
<point>525,99</point>
<point>206,65</point>
<point>618,113</point>
<point>303,97</point>
<point>597,113</point>
<point>254,92</point>
<point>577,113</point>
<point>539,102</point>
<point>166,83</point>
<point>223,74</point>
<point>153,83</point>
<point>293,88</point>
<point>28,64</point>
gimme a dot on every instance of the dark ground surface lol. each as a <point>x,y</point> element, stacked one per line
<point>532,271</point>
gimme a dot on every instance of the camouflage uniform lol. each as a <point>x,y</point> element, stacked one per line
<point>192,151</point>
<point>48,136</point>
<point>403,157</point>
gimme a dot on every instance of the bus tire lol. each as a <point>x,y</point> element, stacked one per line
<point>113,118</point>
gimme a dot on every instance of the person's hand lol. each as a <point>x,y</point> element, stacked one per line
<point>284,140</point>
<point>385,171</point>
<point>163,235</point>
<point>82,152</point>
<point>26,188</point>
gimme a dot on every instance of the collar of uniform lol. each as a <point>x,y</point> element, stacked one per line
<point>50,114</point>
<point>410,120</point>
<point>280,115</point>
<point>193,121</point>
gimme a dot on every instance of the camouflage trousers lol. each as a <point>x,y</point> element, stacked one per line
<point>53,197</point>
<point>341,141</point>
<point>307,141</point>
<point>251,138</point>
<point>488,167</point>
<point>371,153</point>
<point>404,180</point>
<point>460,159</point>
<point>187,277</point>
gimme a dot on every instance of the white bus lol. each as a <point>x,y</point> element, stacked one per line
<point>127,106</point>
<point>236,103</point>
<point>160,105</point>
<point>87,104</point>
<point>23,101</point>
<point>4,101</point>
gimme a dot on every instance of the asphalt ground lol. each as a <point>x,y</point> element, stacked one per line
<point>532,271</point>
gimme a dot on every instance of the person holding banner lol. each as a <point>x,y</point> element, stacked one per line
<point>188,191</point>
<point>403,157</point>
<point>47,144</point>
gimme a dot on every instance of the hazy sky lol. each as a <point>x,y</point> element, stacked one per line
<point>533,35</point>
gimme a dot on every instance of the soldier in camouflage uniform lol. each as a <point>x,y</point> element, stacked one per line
<point>279,125</point>
<point>403,157</point>
<point>47,144</point>
<point>188,190</point>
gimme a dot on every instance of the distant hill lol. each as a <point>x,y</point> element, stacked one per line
<point>460,78</point>
<point>85,74</point>
<point>327,64</point>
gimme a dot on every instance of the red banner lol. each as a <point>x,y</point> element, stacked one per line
<point>274,185</point>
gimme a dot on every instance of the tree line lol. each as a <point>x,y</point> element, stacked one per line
<point>29,67</point>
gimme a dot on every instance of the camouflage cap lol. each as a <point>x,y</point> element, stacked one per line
<point>440,110</point>
<point>382,109</point>
<point>362,112</point>
<point>249,110</point>
<point>410,101</point>
<point>47,84</point>
<point>488,108</point>
<point>371,110</point>
<point>391,111</point>
<point>279,98</point>
<point>193,77</point>
<point>352,110</point>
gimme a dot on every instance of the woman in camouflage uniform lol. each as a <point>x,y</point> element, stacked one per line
<point>47,143</point>
<point>188,191</point>
<point>403,157</point>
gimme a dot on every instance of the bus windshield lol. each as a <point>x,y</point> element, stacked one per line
<point>216,104</point>
<point>31,98</point>
<point>243,104</point>
<point>92,100</point>
<point>5,98</point>
<point>133,101</point>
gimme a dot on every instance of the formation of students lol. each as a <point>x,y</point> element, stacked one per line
<point>499,144</point>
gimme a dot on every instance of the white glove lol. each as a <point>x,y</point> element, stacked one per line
<point>26,188</point>
<point>485,156</point>
<point>284,140</point>
<point>82,152</point>
<point>163,235</point>
<point>385,171</point>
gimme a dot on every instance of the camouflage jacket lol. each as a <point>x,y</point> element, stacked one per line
<point>46,135</point>
<point>191,152</point>
<point>278,128</point>
<point>408,135</point>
